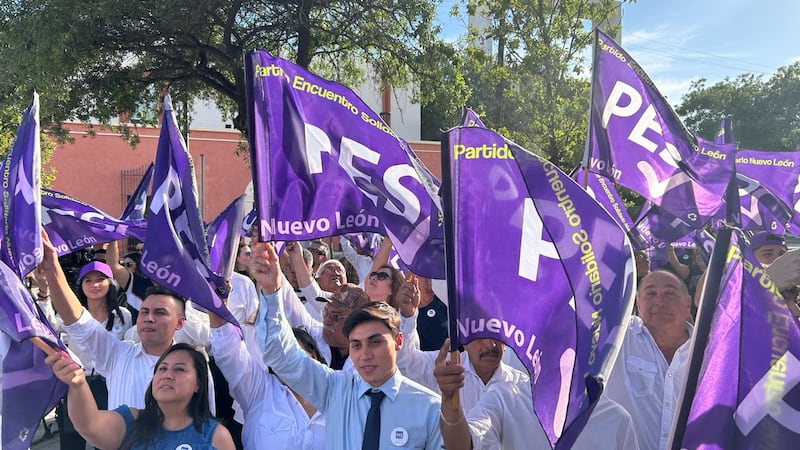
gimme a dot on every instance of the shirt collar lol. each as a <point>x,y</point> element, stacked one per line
<point>391,387</point>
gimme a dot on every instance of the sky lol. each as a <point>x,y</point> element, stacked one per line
<point>677,41</point>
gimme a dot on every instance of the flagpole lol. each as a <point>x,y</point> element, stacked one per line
<point>445,191</point>
<point>587,145</point>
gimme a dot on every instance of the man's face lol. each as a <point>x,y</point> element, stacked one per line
<point>662,301</point>
<point>767,254</point>
<point>288,270</point>
<point>333,318</point>
<point>159,318</point>
<point>485,355</point>
<point>425,287</point>
<point>331,277</point>
<point>319,253</point>
<point>373,351</point>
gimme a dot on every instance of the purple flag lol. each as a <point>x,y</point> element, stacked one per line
<point>725,133</point>
<point>29,387</point>
<point>325,164</point>
<point>746,394</point>
<point>637,140</point>
<point>72,224</point>
<point>137,203</point>
<point>223,238</point>
<point>21,248</point>
<point>175,253</point>
<point>659,228</point>
<point>517,215</point>
<point>369,243</point>
<point>471,119</point>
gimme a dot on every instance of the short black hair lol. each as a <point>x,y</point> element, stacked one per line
<point>377,311</point>
<point>157,289</point>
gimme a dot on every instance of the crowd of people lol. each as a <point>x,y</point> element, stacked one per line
<point>341,354</point>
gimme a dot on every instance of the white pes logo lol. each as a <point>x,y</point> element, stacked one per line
<point>766,398</point>
<point>183,447</point>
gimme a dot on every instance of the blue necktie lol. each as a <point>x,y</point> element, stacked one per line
<point>372,432</point>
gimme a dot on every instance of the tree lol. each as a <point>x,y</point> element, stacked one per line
<point>97,59</point>
<point>10,119</point>
<point>534,86</point>
<point>766,114</point>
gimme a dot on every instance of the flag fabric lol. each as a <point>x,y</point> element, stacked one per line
<point>471,119</point>
<point>747,394</point>
<point>137,203</point>
<point>325,164</point>
<point>175,254</point>
<point>658,228</point>
<point>605,193</point>
<point>636,140</point>
<point>222,237</point>
<point>518,215</point>
<point>72,224</point>
<point>21,248</point>
<point>29,387</point>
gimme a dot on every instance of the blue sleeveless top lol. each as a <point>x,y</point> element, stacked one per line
<point>186,439</point>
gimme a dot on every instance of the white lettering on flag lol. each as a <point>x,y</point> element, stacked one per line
<point>766,398</point>
<point>317,141</point>
<point>532,246</point>
<point>658,187</point>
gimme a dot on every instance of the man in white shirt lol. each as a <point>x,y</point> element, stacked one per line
<point>651,367</point>
<point>482,360</point>
<point>128,367</point>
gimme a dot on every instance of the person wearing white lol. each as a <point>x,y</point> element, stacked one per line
<point>409,412</point>
<point>362,263</point>
<point>504,419</point>
<point>274,416</point>
<point>487,354</point>
<point>650,370</point>
<point>128,367</point>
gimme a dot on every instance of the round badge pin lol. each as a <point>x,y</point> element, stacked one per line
<point>399,436</point>
<point>431,312</point>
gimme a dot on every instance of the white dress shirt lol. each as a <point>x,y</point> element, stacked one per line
<point>504,419</point>
<point>297,316</point>
<point>362,263</point>
<point>409,413</point>
<point>127,367</point>
<point>647,386</point>
<point>243,299</point>
<point>419,365</point>
<point>274,417</point>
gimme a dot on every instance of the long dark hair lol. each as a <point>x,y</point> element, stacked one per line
<point>147,427</point>
<point>115,297</point>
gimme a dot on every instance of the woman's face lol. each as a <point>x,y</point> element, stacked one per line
<point>175,379</point>
<point>95,285</point>
<point>129,264</point>
<point>379,285</point>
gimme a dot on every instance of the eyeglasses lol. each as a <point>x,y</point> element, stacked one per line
<point>333,315</point>
<point>333,269</point>
<point>316,251</point>
<point>380,276</point>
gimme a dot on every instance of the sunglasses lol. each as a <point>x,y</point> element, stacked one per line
<point>380,276</point>
<point>316,251</point>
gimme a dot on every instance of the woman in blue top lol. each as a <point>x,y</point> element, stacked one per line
<point>176,412</point>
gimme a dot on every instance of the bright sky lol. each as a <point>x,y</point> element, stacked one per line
<point>676,41</point>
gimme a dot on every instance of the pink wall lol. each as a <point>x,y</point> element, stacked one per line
<point>90,168</point>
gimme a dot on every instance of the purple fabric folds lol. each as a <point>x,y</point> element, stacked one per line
<point>541,266</point>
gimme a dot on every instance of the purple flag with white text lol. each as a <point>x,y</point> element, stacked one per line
<point>659,228</point>
<point>21,247</point>
<point>747,396</point>
<point>520,216</point>
<point>637,140</point>
<point>137,204</point>
<point>222,236</point>
<point>175,253</point>
<point>72,224</point>
<point>29,387</point>
<point>325,164</point>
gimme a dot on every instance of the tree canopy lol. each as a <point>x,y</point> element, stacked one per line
<point>766,113</point>
<point>96,59</point>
